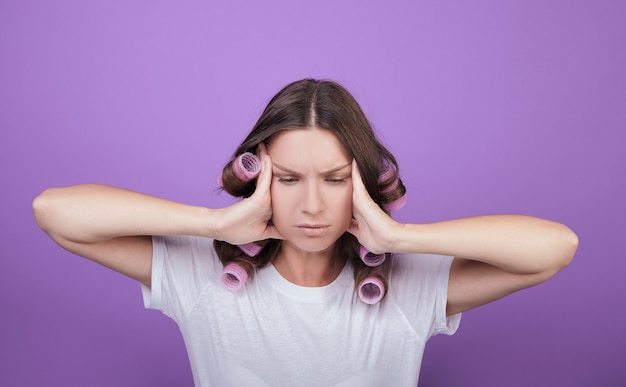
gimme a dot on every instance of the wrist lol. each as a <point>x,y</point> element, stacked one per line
<point>393,240</point>
<point>406,238</point>
<point>211,225</point>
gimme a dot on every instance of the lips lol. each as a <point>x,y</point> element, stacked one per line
<point>313,229</point>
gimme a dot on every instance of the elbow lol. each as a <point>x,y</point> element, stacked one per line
<point>568,244</point>
<point>571,246</point>
<point>563,254</point>
<point>43,209</point>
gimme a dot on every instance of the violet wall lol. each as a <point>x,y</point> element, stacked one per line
<point>490,107</point>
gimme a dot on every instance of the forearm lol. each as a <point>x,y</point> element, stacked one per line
<point>517,244</point>
<point>94,213</point>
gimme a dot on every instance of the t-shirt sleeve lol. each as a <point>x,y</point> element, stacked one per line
<point>182,266</point>
<point>419,286</point>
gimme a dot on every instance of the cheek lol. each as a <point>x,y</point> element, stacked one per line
<point>343,203</point>
<point>282,202</point>
<point>275,195</point>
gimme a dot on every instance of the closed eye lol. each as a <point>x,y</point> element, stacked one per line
<point>287,180</point>
<point>335,180</point>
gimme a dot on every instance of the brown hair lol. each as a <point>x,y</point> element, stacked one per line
<point>310,103</point>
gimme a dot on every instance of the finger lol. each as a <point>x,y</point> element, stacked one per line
<point>262,151</point>
<point>356,174</point>
<point>357,180</point>
<point>265,177</point>
<point>360,196</point>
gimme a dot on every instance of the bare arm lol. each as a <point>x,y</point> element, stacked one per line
<point>94,213</point>
<point>113,226</point>
<point>514,243</point>
<point>496,255</point>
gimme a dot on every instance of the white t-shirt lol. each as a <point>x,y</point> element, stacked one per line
<point>275,333</point>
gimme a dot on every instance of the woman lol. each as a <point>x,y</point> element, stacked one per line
<point>318,201</point>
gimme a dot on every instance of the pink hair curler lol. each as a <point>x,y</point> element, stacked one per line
<point>387,171</point>
<point>371,290</point>
<point>395,205</point>
<point>390,187</point>
<point>371,259</point>
<point>251,249</point>
<point>234,276</point>
<point>246,166</point>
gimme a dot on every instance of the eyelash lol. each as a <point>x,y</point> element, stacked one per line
<point>291,180</point>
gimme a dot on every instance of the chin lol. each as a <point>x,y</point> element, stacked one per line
<point>312,245</point>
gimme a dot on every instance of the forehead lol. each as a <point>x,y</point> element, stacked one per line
<point>307,147</point>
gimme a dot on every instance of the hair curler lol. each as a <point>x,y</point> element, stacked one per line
<point>234,276</point>
<point>246,167</point>
<point>395,205</point>
<point>371,290</point>
<point>251,249</point>
<point>386,171</point>
<point>390,187</point>
<point>371,259</point>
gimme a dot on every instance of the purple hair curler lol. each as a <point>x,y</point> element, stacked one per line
<point>371,290</point>
<point>234,276</point>
<point>386,171</point>
<point>246,166</point>
<point>390,187</point>
<point>371,259</point>
<point>251,249</point>
<point>395,205</point>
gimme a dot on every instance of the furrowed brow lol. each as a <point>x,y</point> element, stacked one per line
<point>285,169</point>
<point>328,172</point>
<point>337,169</point>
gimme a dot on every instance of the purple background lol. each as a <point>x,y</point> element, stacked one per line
<point>490,107</point>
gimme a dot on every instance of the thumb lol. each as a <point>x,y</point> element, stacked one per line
<point>265,177</point>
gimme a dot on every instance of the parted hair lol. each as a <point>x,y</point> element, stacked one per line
<point>311,103</point>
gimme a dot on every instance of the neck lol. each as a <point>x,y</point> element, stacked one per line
<point>308,269</point>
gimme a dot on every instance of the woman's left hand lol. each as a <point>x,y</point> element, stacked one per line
<point>370,224</point>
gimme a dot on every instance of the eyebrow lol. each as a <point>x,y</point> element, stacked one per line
<point>328,172</point>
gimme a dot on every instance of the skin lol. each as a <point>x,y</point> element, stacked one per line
<point>312,203</point>
<point>495,255</point>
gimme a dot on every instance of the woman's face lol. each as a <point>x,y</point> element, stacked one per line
<point>311,188</point>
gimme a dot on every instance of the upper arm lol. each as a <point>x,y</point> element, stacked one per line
<point>131,256</point>
<point>80,218</point>
<point>474,283</point>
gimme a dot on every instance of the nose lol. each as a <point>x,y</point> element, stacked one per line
<point>312,202</point>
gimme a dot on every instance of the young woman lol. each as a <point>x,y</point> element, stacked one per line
<point>307,280</point>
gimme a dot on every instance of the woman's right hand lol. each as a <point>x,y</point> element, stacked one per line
<point>112,226</point>
<point>249,220</point>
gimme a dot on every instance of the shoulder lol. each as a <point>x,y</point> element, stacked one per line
<point>182,267</point>
<point>420,264</point>
<point>184,256</point>
<point>418,286</point>
<point>419,275</point>
<point>183,244</point>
